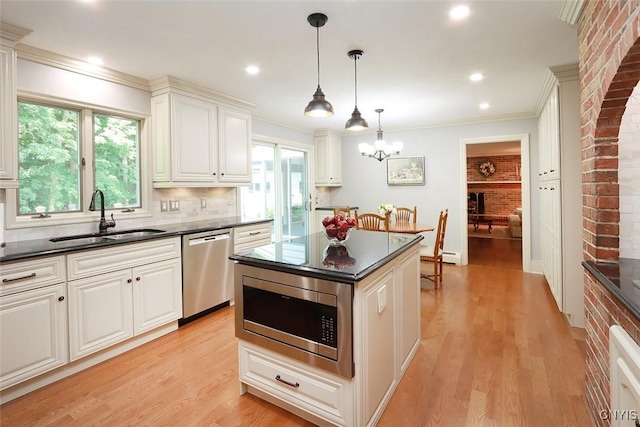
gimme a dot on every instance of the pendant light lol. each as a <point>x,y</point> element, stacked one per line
<point>318,106</point>
<point>380,150</point>
<point>356,122</point>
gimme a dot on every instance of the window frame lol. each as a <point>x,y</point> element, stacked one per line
<point>13,220</point>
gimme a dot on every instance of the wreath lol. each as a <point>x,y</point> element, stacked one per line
<point>487,168</point>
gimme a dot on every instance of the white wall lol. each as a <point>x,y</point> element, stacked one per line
<point>365,184</point>
<point>263,128</point>
<point>629,177</point>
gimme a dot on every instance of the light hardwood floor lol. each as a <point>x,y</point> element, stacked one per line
<point>494,352</point>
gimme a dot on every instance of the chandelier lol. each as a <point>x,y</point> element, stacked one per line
<point>380,150</point>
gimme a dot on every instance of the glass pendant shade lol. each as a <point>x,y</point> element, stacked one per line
<point>356,122</point>
<point>318,106</point>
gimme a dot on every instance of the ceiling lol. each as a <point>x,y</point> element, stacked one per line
<point>416,62</point>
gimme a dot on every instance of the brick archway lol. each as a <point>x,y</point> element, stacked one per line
<point>600,157</point>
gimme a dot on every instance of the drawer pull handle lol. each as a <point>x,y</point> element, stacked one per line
<point>253,233</point>
<point>19,278</point>
<point>296,385</point>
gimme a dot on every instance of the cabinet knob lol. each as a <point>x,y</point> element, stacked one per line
<point>222,174</point>
<point>138,279</point>
<point>60,298</point>
<point>129,280</point>
<point>552,170</point>
<point>214,174</point>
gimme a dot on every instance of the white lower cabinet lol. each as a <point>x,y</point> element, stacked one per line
<point>107,308</point>
<point>624,365</point>
<point>312,390</point>
<point>33,333</point>
<point>251,236</point>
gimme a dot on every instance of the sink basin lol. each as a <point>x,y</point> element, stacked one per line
<point>97,237</point>
<point>130,234</point>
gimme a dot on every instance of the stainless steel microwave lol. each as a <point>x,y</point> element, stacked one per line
<point>301,317</point>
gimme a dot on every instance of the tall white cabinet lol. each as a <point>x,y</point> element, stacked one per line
<point>560,191</point>
<point>199,138</point>
<point>328,148</point>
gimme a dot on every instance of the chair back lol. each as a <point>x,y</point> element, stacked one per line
<point>442,229</point>
<point>372,221</point>
<point>344,211</point>
<point>407,214</point>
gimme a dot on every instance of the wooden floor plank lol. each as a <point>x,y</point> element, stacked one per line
<point>494,350</point>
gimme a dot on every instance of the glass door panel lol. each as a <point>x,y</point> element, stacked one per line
<point>259,199</point>
<point>295,193</point>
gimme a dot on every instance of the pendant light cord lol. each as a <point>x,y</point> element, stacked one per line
<point>318,52</point>
<point>355,77</point>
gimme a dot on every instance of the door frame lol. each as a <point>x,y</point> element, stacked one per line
<point>280,144</point>
<point>525,188</point>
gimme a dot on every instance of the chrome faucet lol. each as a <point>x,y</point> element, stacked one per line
<point>104,224</point>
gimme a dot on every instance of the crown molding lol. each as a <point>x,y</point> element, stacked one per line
<point>51,59</point>
<point>12,34</point>
<point>271,120</point>
<point>570,11</point>
<point>552,77</point>
<point>170,83</point>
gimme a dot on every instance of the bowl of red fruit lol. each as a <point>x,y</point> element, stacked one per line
<point>337,229</point>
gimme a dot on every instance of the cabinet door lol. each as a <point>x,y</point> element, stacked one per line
<point>193,139</point>
<point>33,333</point>
<point>100,312</point>
<point>8,119</point>
<point>408,288</point>
<point>234,146</point>
<point>328,160</point>
<point>157,294</point>
<point>379,338</point>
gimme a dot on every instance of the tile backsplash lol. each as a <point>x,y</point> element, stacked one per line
<point>629,178</point>
<point>218,203</point>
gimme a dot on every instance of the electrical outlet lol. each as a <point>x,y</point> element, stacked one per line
<point>382,298</point>
<point>203,203</point>
<point>164,206</point>
<point>174,205</point>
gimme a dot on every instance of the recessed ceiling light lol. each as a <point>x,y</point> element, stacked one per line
<point>476,77</point>
<point>484,106</point>
<point>459,12</point>
<point>252,69</point>
<point>95,60</point>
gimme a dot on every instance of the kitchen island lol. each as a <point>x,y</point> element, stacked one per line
<point>327,332</point>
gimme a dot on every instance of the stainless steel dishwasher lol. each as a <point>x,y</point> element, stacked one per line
<point>207,271</point>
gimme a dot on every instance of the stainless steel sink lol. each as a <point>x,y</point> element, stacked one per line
<point>130,234</point>
<point>97,237</point>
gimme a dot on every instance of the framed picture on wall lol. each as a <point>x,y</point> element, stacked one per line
<point>405,170</point>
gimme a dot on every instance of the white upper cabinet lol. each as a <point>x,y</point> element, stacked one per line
<point>11,35</point>
<point>199,139</point>
<point>328,147</point>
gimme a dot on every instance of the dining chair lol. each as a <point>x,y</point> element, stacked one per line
<point>407,214</point>
<point>372,221</point>
<point>434,253</point>
<point>345,211</point>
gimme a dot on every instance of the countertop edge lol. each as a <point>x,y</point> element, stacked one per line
<point>592,268</point>
<point>70,247</point>
<point>324,274</point>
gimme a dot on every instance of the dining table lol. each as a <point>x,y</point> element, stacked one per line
<point>409,227</point>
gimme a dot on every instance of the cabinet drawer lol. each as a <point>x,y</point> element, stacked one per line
<point>251,235</point>
<point>98,261</point>
<point>317,392</point>
<point>22,275</point>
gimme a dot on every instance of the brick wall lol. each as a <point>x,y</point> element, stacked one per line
<point>500,198</point>
<point>609,60</point>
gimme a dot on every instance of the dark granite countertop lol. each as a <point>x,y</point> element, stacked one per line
<point>621,279</point>
<point>362,254</point>
<point>34,248</point>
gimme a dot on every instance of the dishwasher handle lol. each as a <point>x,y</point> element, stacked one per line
<point>209,239</point>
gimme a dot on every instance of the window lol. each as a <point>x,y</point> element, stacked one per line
<point>49,148</point>
<point>65,153</point>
